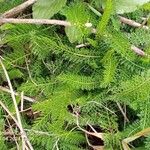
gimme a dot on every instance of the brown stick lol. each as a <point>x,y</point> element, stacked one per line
<point>17,94</point>
<point>65,23</point>
<point>132,22</point>
<point>35,21</point>
<point>13,134</point>
<point>22,132</point>
<point>123,113</point>
<point>138,51</point>
<point>24,136</point>
<point>16,10</point>
<point>61,22</point>
<point>134,48</point>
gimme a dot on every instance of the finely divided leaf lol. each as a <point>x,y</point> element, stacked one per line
<point>105,18</point>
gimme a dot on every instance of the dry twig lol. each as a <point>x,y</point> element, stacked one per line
<point>12,133</point>
<point>94,133</point>
<point>123,113</point>
<point>4,89</point>
<point>16,122</point>
<point>132,23</point>
<point>137,50</point>
<point>98,135</point>
<point>63,23</point>
<point>23,134</point>
<point>29,73</point>
<point>35,21</point>
<point>125,142</point>
<point>22,102</point>
<point>16,10</point>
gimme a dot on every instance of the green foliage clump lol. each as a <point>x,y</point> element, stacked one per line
<point>78,89</point>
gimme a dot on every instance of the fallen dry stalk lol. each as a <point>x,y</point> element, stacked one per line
<point>4,89</point>
<point>9,113</point>
<point>94,133</point>
<point>23,134</point>
<point>13,134</point>
<point>5,19</point>
<point>98,135</point>
<point>35,21</point>
<point>137,50</point>
<point>61,22</point>
<point>16,122</point>
<point>126,141</point>
<point>132,23</point>
<point>123,113</point>
<point>16,10</point>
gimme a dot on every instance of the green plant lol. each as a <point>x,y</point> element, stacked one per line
<point>91,87</point>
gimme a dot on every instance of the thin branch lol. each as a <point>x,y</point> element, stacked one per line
<point>102,106</point>
<point>24,137</point>
<point>13,134</point>
<point>145,20</point>
<point>92,128</point>
<point>16,10</point>
<point>22,102</point>
<point>28,112</point>
<point>138,51</point>
<point>88,142</point>
<point>24,111</point>
<point>35,21</point>
<point>123,113</point>
<point>29,73</point>
<point>132,22</point>
<point>98,135</point>
<point>39,132</point>
<point>9,113</point>
<point>23,6</point>
<point>126,141</point>
<point>122,19</point>
<point>17,94</point>
<point>8,133</point>
<point>12,91</point>
<point>92,146</point>
<point>65,23</point>
<point>56,145</point>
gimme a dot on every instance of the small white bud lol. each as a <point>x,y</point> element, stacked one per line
<point>88,25</point>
